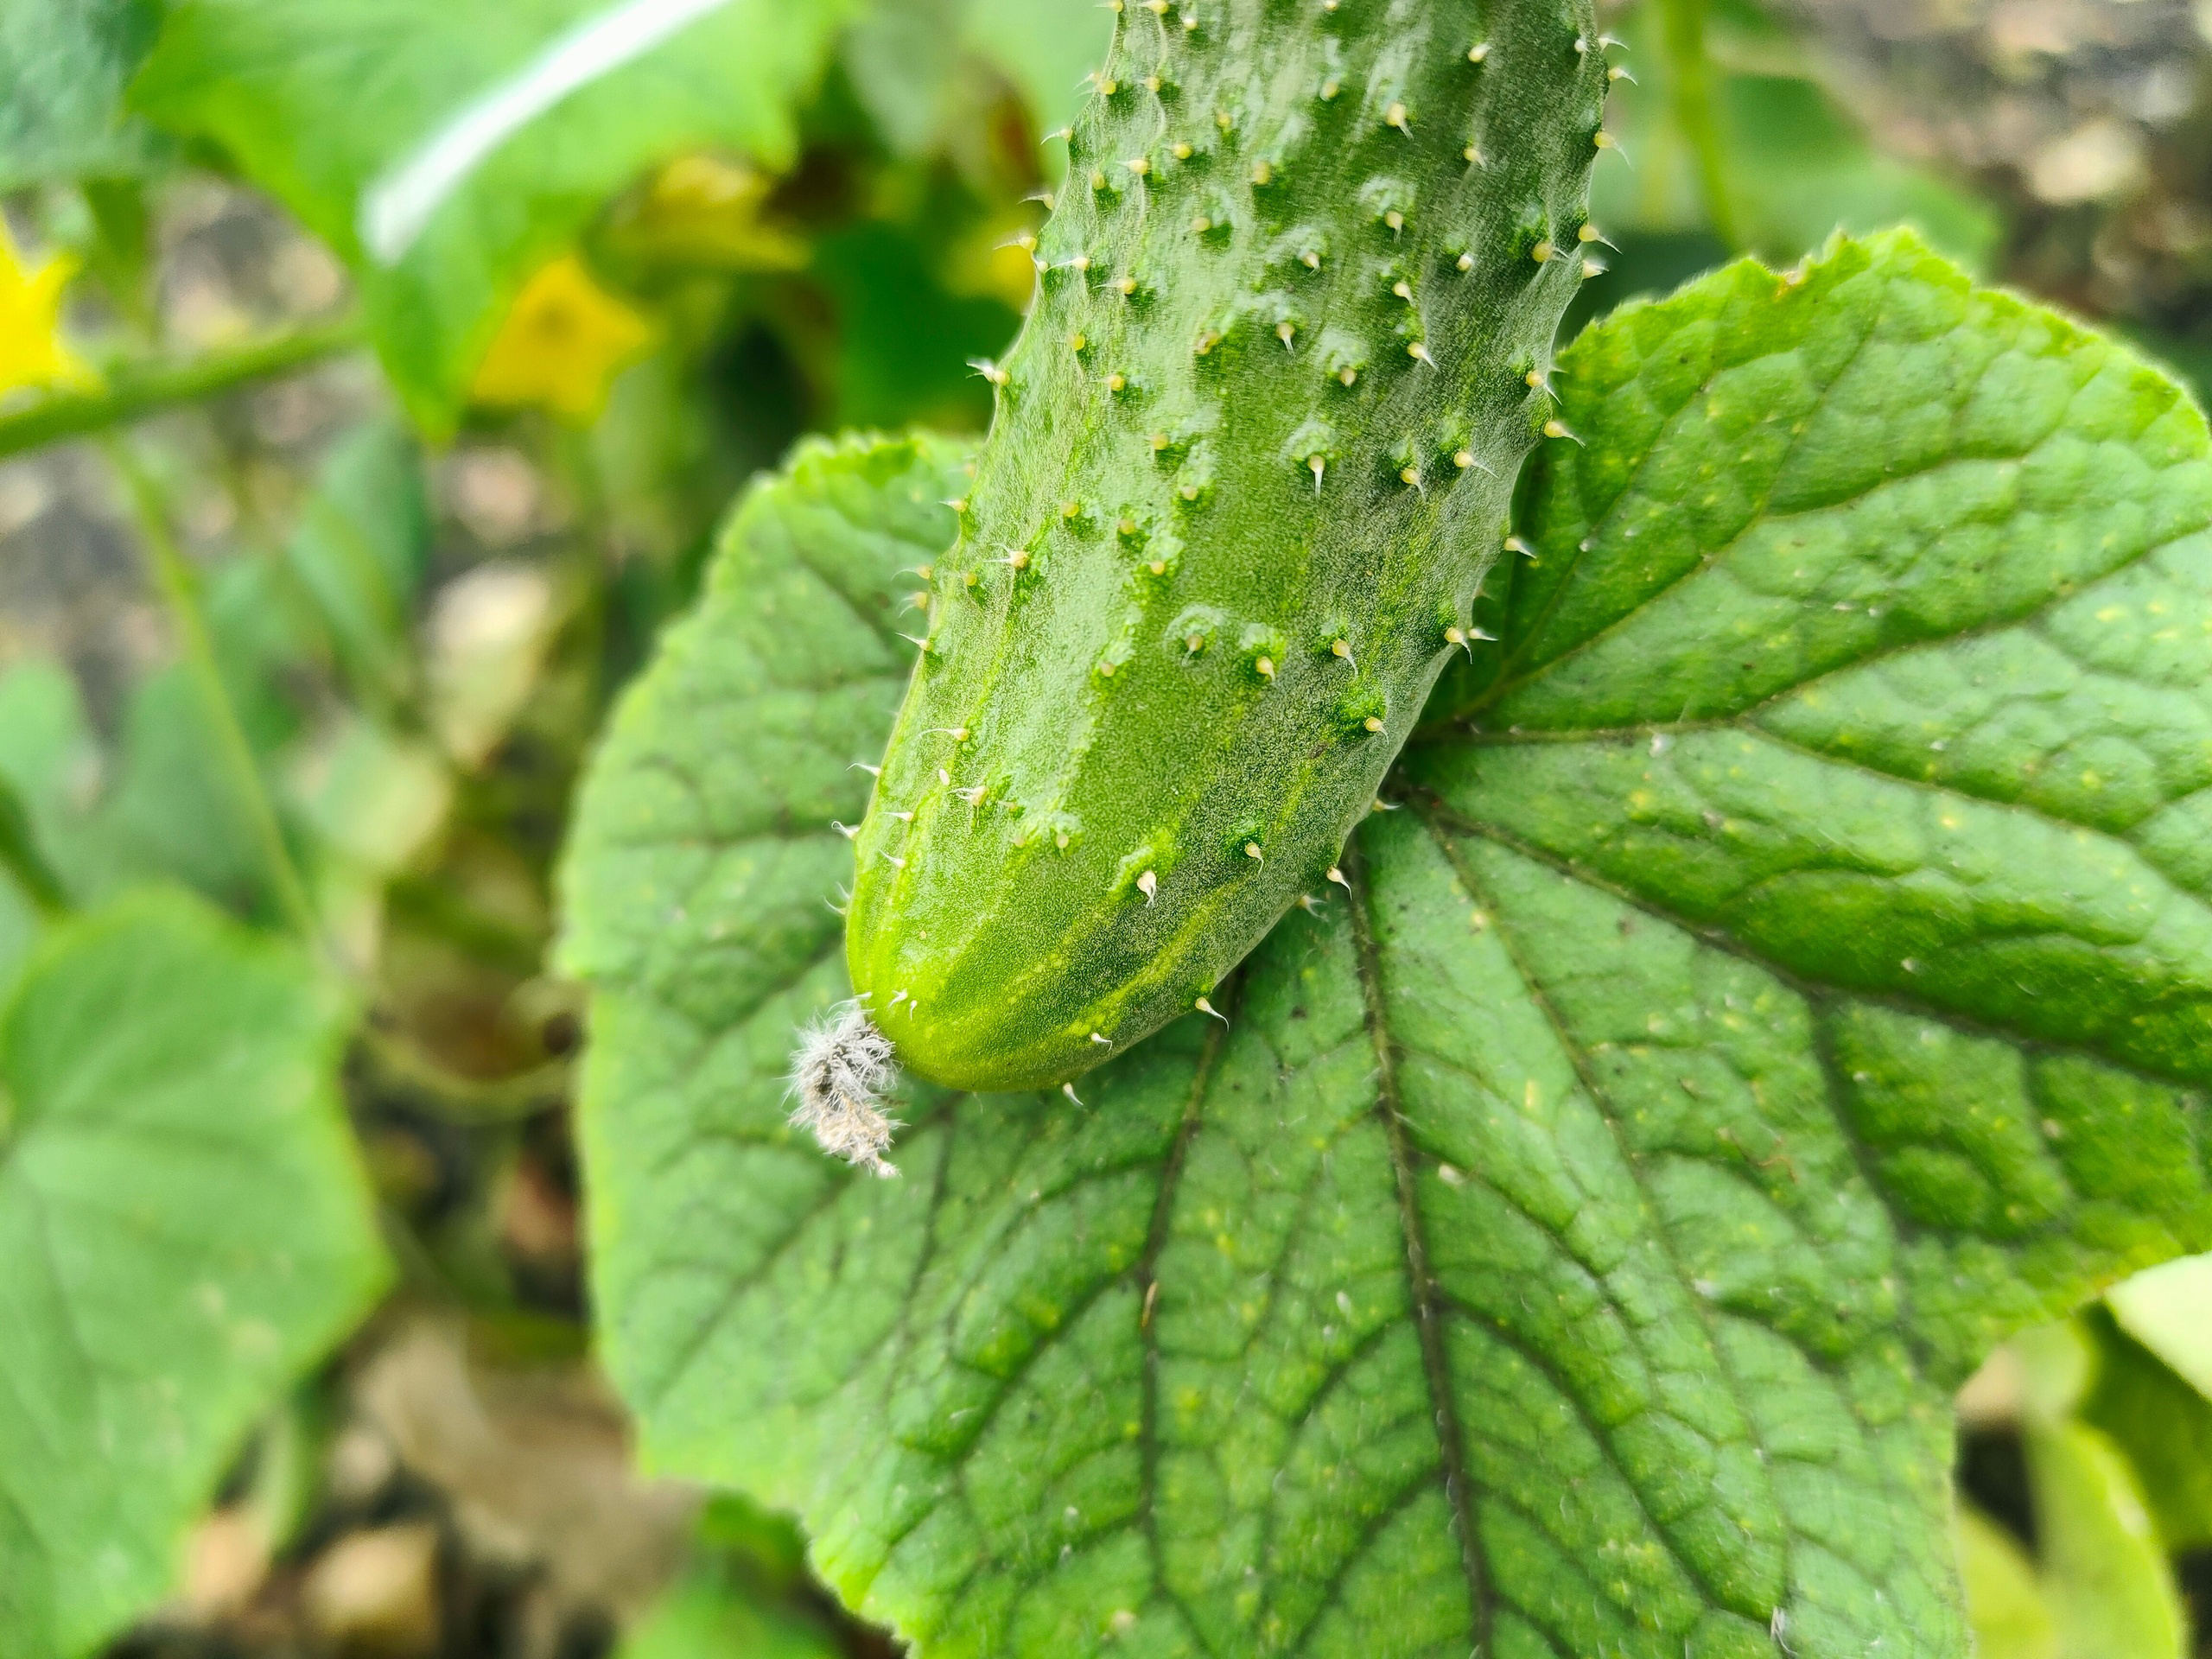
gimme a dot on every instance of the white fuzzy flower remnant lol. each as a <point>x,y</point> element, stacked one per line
<point>840,1073</point>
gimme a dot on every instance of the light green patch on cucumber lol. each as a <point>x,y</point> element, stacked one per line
<point>1271,399</point>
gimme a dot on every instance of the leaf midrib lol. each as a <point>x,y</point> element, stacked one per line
<point>1601,1104</point>
<point>1746,724</point>
<point>1459,1494</point>
<point>1144,1275</point>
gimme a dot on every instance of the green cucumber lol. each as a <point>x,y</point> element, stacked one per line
<point>1253,452</point>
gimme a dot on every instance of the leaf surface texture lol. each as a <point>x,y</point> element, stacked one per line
<point>184,1228</point>
<point>1782,977</point>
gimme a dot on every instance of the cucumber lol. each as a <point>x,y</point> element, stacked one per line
<point>1251,456</point>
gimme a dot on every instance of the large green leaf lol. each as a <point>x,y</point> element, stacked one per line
<point>1570,1243</point>
<point>63,66</point>
<point>183,1228</point>
<point>350,112</point>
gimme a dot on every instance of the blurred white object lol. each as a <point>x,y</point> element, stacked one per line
<point>373,796</point>
<point>375,1592</point>
<point>496,494</point>
<point>489,630</point>
<point>227,1558</point>
<point>399,203</point>
<point>2098,159</point>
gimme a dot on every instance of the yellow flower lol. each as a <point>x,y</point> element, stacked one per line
<point>561,345</point>
<point>704,210</point>
<point>31,350</point>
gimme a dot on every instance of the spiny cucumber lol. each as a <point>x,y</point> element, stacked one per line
<point>1251,456</point>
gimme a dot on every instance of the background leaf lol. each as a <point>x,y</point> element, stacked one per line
<point>2105,1575</point>
<point>704,1618</point>
<point>741,1597</point>
<point>2165,1427</point>
<point>2163,1310</point>
<point>905,344</point>
<point>2011,1619</point>
<point>354,788</point>
<point>185,1230</point>
<point>256,77</point>
<point>905,58</point>
<point>49,762</point>
<point>1570,1245</point>
<point>168,811</point>
<point>65,64</point>
<point>360,550</point>
<point>174,810</point>
<point>2101,1563</point>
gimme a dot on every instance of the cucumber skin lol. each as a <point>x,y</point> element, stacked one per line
<point>1149,479</point>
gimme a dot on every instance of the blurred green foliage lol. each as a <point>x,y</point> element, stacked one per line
<point>1730,144</point>
<point>743,1596</point>
<point>809,209</point>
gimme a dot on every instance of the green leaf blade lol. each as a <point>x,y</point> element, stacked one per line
<point>1571,1241</point>
<point>66,64</point>
<point>1811,473</point>
<point>1994,913</point>
<point>2108,1582</point>
<point>260,76</point>
<point>704,838</point>
<point>186,1230</point>
<point>1642,1263</point>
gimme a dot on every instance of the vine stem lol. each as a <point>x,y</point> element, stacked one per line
<point>147,388</point>
<point>1689,70</point>
<point>179,589</point>
<point>398,1067</point>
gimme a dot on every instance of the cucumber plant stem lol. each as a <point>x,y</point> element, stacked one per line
<point>1689,72</point>
<point>137,392</point>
